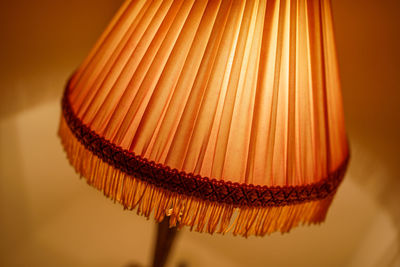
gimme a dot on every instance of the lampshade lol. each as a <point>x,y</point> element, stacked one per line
<point>222,115</point>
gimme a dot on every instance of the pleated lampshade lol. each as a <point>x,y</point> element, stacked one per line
<point>222,115</point>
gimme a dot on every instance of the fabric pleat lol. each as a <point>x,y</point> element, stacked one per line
<point>244,91</point>
<point>241,91</point>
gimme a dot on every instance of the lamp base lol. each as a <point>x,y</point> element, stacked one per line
<point>164,240</point>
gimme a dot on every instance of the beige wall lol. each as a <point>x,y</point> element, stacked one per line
<point>48,217</point>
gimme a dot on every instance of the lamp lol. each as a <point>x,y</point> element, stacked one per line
<point>220,115</point>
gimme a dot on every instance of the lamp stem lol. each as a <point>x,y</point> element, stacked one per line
<point>164,240</point>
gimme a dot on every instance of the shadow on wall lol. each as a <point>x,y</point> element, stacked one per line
<point>44,40</point>
<point>368,38</point>
<point>13,215</point>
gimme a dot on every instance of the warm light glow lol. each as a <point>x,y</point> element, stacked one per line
<point>240,91</point>
<point>246,91</point>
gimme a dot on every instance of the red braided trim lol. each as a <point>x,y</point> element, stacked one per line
<point>195,185</point>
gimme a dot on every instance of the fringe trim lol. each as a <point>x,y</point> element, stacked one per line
<point>199,215</point>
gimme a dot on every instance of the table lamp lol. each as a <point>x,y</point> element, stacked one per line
<point>220,115</point>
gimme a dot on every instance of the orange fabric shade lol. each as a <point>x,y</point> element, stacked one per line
<point>197,109</point>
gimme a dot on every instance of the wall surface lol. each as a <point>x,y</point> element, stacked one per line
<point>49,217</point>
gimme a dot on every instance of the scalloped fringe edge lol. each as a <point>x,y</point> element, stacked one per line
<point>199,215</point>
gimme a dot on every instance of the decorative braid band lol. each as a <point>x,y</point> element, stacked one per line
<point>188,184</point>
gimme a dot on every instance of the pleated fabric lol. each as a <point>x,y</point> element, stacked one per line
<point>245,91</point>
